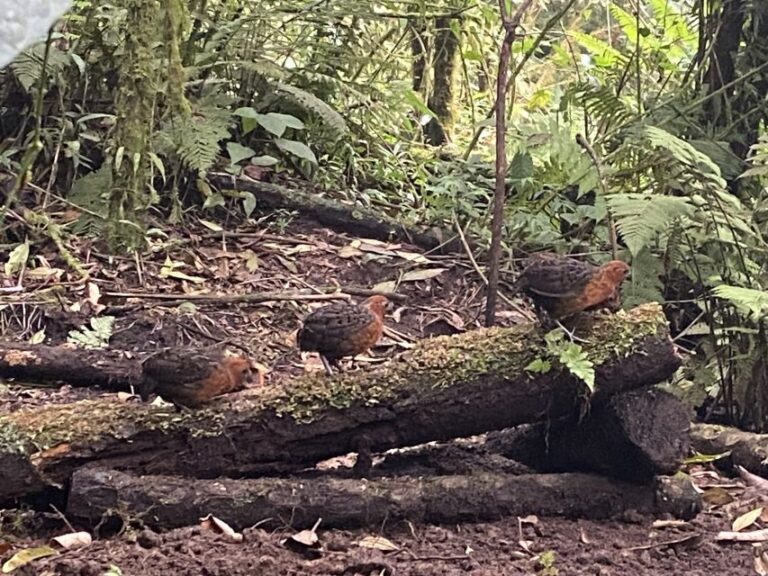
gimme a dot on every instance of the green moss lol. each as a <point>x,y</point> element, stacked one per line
<point>438,363</point>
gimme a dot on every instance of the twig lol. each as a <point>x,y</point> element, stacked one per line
<point>582,141</point>
<point>232,299</point>
<point>494,254</point>
<point>480,272</point>
<point>63,518</point>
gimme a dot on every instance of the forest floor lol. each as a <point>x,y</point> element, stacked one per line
<point>185,292</point>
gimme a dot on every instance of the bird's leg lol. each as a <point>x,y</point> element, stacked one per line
<point>570,333</point>
<point>364,462</point>
<point>326,365</point>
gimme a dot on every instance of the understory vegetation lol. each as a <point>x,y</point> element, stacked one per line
<point>130,105</point>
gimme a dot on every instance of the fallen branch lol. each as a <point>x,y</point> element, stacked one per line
<point>747,449</point>
<point>341,217</point>
<point>165,502</point>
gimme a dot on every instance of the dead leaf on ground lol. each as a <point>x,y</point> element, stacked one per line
<point>307,538</point>
<point>761,560</point>
<point>27,555</point>
<point>716,497</point>
<point>73,540</point>
<point>210,522</point>
<point>746,520</point>
<point>378,543</point>
<point>659,524</point>
<point>752,479</point>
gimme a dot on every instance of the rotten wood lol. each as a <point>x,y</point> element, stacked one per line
<point>747,449</point>
<point>634,436</point>
<point>446,387</point>
<point>166,502</point>
<point>341,217</point>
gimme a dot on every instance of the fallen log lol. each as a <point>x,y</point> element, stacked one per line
<point>447,387</point>
<point>634,436</point>
<point>747,449</point>
<point>354,220</point>
<point>111,369</point>
<point>165,502</point>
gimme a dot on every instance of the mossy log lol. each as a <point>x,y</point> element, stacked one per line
<point>634,436</point>
<point>354,220</point>
<point>113,370</point>
<point>747,449</point>
<point>166,502</point>
<point>446,387</point>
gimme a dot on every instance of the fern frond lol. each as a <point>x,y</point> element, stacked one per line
<point>640,217</point>
<point>752,302</point>
<point>602,103</point>
<point>195,141</point>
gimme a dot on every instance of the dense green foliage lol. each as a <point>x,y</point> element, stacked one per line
<point>350,97</point>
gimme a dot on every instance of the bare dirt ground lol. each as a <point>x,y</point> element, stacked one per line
<point>440,295</point>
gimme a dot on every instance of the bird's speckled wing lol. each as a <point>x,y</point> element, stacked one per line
<point>338,330</point>
<point>177,366</point>
<point>556,276</point>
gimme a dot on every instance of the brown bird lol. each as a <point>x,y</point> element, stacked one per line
<point>563,287</point>
<point>343,329</point>
<point>190,378</point>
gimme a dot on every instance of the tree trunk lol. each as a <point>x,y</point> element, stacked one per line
<point>444,88</point>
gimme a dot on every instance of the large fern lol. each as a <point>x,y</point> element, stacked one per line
<point>641,217</point>
<point>330,118</point>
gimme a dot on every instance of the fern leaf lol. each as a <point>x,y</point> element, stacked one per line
<point>640,217</point>
<point>752,302</point>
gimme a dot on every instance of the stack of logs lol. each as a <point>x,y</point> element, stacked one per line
<point>252,455</point>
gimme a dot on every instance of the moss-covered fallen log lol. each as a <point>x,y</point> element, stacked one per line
<point>338,216</point>
<point>165,502</point>
<point>446,387</point>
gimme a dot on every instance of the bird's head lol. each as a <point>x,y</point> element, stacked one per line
<point>616,271</point>
<point>241,369</point>
<point>377,304</point>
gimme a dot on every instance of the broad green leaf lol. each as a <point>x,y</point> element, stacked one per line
<point>249,203</point>
<point>265,160</point>
<point>17,258</point>
<point>238,152</point>
<point>297,149</point>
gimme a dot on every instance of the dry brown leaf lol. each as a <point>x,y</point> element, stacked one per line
<point>210,522</point>
<point>26,556</point>
<point>659,524</point>
<point>752,479</point>
<point>378,543</point>
<point>761,560</point>
<point>349,251</point>
<point>388,286</point>
<point>425,274</point>
<point>716,497</point>
<point>72,540</point>
<point>309,537</point>
<point>746,520</point>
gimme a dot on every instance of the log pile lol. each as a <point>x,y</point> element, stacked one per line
<point>111,455</point>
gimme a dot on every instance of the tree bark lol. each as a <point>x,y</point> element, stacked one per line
<point>166,502</point>
<point>110,369</point>
<point>747,449</point>
<point>446,387</point>
<point>634,436</point>
<point>338,216</point>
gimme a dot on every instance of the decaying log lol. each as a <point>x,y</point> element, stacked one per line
<point>634,436</point>
<point>164,502</point>
<point>354,220</point>
<point>111,369</point>
<point>446,387</point>
<point>747,449</point>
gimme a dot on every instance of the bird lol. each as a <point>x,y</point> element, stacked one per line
<point>189,378</point>
<point>343,329</point>
<point>563,287</point>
